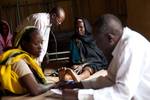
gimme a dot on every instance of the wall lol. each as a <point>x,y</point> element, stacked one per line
<point>14,14</point>
<point>139,16</point>
<point>94,8</point>
<point>90,9</point>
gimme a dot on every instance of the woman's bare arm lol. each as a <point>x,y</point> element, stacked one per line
<point>29,82</point>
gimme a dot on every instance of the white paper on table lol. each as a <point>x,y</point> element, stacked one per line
<point>56,91</point>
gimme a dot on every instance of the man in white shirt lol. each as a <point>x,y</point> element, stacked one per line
<point>129,70</point>
<point>42,21</point>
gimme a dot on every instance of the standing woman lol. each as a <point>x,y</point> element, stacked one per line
<point>86,57</point>
<point>5,36</point>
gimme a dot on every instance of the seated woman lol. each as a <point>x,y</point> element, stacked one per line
<point>5,36</point>
<point>19,71</point>
<point>86,57</point>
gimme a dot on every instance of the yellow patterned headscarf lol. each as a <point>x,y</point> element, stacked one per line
<point>9,80</point>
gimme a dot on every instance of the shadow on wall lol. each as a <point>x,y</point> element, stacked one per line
<point>63,40</point>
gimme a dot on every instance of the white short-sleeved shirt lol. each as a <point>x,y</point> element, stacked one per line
<point>21,68</point>
<point>128,73</point>
<point>42,22</point>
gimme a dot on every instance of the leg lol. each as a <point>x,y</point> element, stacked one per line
<point>73,75</point>
<point>67,74</point>
<point>87,72</point>
<point>62,72</point>
<point>98,74</point>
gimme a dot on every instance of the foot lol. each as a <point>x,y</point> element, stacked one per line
<point>67,77</point>
<point>73,75</point>
<point>61,73</point>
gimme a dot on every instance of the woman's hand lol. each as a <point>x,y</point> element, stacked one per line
<point>77,68</point>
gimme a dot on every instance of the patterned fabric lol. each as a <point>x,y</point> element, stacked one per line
<point>8,78</point>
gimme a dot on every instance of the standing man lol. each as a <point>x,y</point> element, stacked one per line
<point>129,70</point>
<point>44,22</point>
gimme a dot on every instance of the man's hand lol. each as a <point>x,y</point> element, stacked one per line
<point>68,85</point>
<point>65,85</point>
<point>70,94</point>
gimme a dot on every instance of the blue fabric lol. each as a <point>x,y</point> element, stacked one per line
<point>75,54</point>
<point>84,50</point>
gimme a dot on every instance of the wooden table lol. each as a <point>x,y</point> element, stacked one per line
<point>45,96</point>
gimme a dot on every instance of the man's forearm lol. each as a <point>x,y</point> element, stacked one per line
<point>79,85</point>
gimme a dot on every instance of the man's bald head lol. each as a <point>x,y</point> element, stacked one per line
<point>108,32</point>
<point>58,11</point>
<point>57,15</point>
<point>109,23</point>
